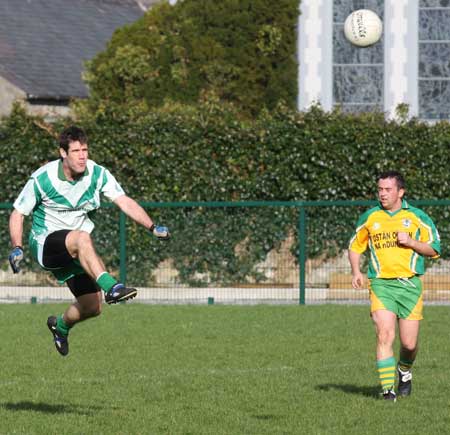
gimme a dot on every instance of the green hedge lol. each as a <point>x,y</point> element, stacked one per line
<point>208,154</point>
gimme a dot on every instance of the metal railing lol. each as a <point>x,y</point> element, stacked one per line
<point>311,239</point>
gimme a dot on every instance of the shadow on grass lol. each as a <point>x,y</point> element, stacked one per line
<point>47,408</point>
<point>372,391</point>
<point>267,417</point>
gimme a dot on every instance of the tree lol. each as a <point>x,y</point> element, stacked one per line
<point>242,51</point>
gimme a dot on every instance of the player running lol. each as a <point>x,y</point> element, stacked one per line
<point>399,236</point>
<point>60,195</point>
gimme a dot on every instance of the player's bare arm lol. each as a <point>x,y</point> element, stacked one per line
<point>132,209</point>
<point>16,228</point>
<point>357,276</point>
<point>422,248</point>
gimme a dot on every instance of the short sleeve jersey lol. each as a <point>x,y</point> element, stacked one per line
<point>59,204</point>
<point>377,230</point>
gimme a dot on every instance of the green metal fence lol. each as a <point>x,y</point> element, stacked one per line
<point>230,252</point>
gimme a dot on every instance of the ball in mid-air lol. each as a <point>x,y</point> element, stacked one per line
<point>363,27</point>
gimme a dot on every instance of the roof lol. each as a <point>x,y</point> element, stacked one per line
<point>44,43</point>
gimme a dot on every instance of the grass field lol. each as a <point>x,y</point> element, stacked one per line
<point>142,369</point>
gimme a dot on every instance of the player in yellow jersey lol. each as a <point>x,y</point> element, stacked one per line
<point>398,236</point>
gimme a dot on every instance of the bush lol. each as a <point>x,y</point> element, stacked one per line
<point>208,153</point>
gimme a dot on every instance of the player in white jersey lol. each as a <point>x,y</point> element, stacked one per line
<point>59,195</point>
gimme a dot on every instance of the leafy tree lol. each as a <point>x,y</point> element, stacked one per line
<point>243,51</point>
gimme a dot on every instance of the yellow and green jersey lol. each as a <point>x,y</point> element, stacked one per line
<point>377,230</point>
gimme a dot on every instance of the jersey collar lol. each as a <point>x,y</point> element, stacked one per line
<point>405,206</point>
<point>62,176</point>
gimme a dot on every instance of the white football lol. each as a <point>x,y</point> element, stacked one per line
<point>363,27</point>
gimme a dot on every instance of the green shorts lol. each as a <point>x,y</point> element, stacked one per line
<point>402,296</point>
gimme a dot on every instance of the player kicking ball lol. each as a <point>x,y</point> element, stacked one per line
<point>60,195</point>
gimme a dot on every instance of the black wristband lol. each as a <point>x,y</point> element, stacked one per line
<point>20,247</point>
<point>152,228</point>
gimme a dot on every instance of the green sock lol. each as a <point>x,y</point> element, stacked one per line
<point>405,365</point>
<point>62,327</point>
<point>106,281</point>
<point>386,373</point>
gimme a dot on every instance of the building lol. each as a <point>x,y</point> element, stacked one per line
<point>44,43</point>
<point>410,65</point>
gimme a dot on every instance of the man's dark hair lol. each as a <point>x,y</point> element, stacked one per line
<point>71,134</point>
<point>400,181</point>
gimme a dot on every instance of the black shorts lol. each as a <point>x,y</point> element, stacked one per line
<point>56,256</point>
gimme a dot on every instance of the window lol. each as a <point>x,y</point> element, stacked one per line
<point>434,59</point>
<point>358,73</point>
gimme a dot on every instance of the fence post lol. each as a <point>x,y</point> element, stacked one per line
<point>123,247</point>
<point>302,253</point>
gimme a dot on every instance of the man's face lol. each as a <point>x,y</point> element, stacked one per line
<point>75,159</point>
<point>389,195</point>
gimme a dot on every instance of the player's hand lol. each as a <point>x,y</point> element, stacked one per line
<point>162,233</point>
<point>15,258</point>
<point>404,239</point>
<point>357,280</point>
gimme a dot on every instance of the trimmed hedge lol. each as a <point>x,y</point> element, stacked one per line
<point>208,154</point>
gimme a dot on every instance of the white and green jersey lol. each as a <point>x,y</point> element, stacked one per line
<point>59,204</point>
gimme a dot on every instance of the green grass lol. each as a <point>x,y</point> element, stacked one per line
<point>141,369</point>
